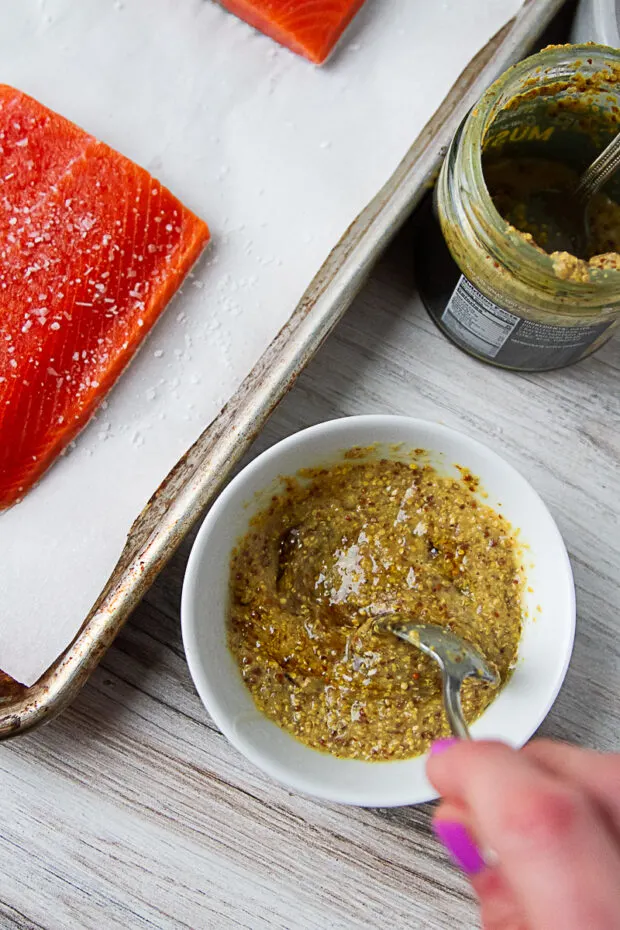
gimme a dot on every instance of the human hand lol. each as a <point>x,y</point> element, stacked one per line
<point>550,813</point>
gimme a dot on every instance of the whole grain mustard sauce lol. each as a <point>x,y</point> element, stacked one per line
<point>512,183</point>
<point>497,286</point>
<point>569,106</point>
<point>337,548</point>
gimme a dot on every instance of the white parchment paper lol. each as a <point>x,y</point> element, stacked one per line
<point>279,157</point>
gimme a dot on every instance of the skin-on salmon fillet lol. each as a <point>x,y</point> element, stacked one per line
<point>92,248</point>
<point>309,27</point>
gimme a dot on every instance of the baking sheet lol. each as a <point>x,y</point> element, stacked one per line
<point>279,157</point>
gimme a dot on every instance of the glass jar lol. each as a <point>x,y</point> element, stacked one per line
<point>495,294</point>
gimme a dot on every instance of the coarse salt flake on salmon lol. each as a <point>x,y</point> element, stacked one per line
<point>92,248</point>
<point>308,27</point>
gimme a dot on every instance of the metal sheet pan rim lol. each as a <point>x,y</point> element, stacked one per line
<point>199,476</point>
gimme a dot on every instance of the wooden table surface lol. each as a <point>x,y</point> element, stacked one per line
<point>131,810</point>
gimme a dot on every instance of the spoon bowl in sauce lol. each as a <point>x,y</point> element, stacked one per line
<point>456,658</point>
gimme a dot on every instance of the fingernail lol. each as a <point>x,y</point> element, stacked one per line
<point>441,745</point>
<point>460,845</point>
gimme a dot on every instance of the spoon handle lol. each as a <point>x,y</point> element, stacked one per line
<point>599,171</point>
<point>454,710</point>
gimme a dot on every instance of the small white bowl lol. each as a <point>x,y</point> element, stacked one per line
<point>544,651</point>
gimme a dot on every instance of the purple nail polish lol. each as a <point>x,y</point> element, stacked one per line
<point>460,845</point>
<point>440,745</point>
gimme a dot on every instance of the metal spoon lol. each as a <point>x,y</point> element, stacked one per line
<point>456,658</point>
<point>599,172</point>
<point>563,216</point>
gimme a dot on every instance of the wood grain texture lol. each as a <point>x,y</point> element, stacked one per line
<point>131,810</point>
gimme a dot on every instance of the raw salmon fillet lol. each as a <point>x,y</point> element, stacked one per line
<point>309,27</point>
<point>91,250</point>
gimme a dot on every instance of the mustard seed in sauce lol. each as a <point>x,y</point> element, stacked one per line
<point>341,545</point>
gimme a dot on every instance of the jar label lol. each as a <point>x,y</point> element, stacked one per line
<point>480,325</point>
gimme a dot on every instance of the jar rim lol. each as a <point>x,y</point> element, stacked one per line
<point>557,62</point>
